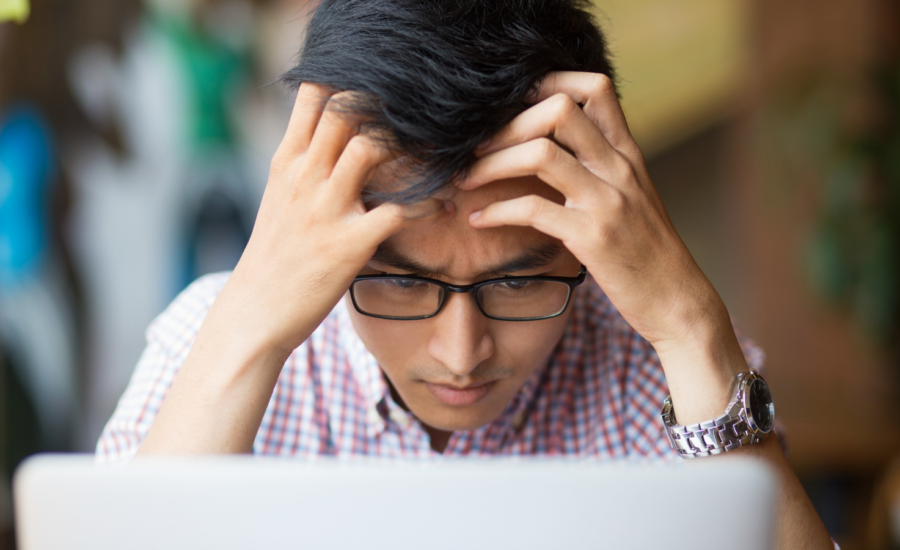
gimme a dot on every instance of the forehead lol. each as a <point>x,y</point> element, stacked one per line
<point>450,245</point>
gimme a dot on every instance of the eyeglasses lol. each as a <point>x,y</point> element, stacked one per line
<point>410,298</point>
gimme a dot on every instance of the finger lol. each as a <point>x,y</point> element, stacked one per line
<point>378,224</point>
<point>562,118</point>
<point>539,157</point>
<point>360,158</point>
<point>601,104</point>
<point>308,107</point>
<point>335,129</point>
<point>384,220</point>
<point>542,214</point>
<point>426,209</point>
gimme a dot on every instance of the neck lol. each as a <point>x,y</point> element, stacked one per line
<point>439,438</point>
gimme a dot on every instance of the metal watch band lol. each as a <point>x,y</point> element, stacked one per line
<point>706,438</point>
<point>725,433</point>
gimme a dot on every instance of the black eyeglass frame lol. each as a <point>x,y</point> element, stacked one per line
<point>572,282</point>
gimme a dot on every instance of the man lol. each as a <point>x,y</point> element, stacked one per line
<point>452,170</point>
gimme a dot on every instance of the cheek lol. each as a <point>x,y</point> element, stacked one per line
<point>393,343</point>
<point>526,346</point>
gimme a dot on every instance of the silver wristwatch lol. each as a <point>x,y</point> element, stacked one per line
<point>748,419</point>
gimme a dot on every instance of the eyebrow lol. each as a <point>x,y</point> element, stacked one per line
<point>531,258</point>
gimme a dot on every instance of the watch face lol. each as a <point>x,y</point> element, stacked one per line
<point>759,403</point>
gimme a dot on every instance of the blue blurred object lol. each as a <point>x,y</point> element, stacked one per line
<point>26,172</point>
<point>36,317</point>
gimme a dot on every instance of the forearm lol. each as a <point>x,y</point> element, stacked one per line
<point>312,235</point>
<point>701,373</point>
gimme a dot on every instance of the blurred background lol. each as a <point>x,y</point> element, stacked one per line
<point>135,137</point>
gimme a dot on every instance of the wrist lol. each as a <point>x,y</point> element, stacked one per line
<point>701,367</point>
<point>227,350</point>
<point>263,317</point>
<point>236,333</point>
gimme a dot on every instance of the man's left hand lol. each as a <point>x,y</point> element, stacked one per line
<point>575,139</point>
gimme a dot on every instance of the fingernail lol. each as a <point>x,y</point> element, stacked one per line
<point>483,146</point>
<point>474,216</point>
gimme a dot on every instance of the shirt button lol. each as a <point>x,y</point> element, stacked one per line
<point>401,418</point>
<point>374,418</point>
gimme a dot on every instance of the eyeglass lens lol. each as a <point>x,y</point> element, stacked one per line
<point>517,299</point>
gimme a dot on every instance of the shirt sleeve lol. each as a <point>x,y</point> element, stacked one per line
<point>753,354</point>
<point>169,339</point>
<point>756,359</point>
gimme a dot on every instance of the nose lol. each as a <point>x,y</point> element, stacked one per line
<point>460,341</point>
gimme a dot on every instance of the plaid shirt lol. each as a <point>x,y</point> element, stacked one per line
<point>597,397</point>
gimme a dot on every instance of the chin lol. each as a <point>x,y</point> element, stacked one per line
<point>448,417</point>
<point>456,419</point>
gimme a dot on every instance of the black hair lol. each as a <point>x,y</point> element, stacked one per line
<point>441,76</point>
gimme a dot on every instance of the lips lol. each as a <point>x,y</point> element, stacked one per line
<point>457,396</point>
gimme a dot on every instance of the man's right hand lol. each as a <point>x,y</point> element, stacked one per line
<point>312,236</point>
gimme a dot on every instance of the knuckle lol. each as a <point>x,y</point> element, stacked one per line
<point>278,165</point>
<point>360,151</point>
<point>632,150</point>
<point>617,202</point>
<point>624,169</point>
<point>563,106</point>
<point>533,205</point>
<point>281,165</point>
<point>607,230</point>
<point>545,150</point>
<point>602,84</point>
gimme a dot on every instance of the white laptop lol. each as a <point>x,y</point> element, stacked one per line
<point>67,502</point>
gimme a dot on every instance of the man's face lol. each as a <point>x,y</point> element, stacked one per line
<point>428,360</point>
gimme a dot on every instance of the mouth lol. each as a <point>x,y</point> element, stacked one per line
<point>460,395</point>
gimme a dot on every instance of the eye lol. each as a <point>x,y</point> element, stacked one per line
<point>407,284</point>
<point>516,285</point>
